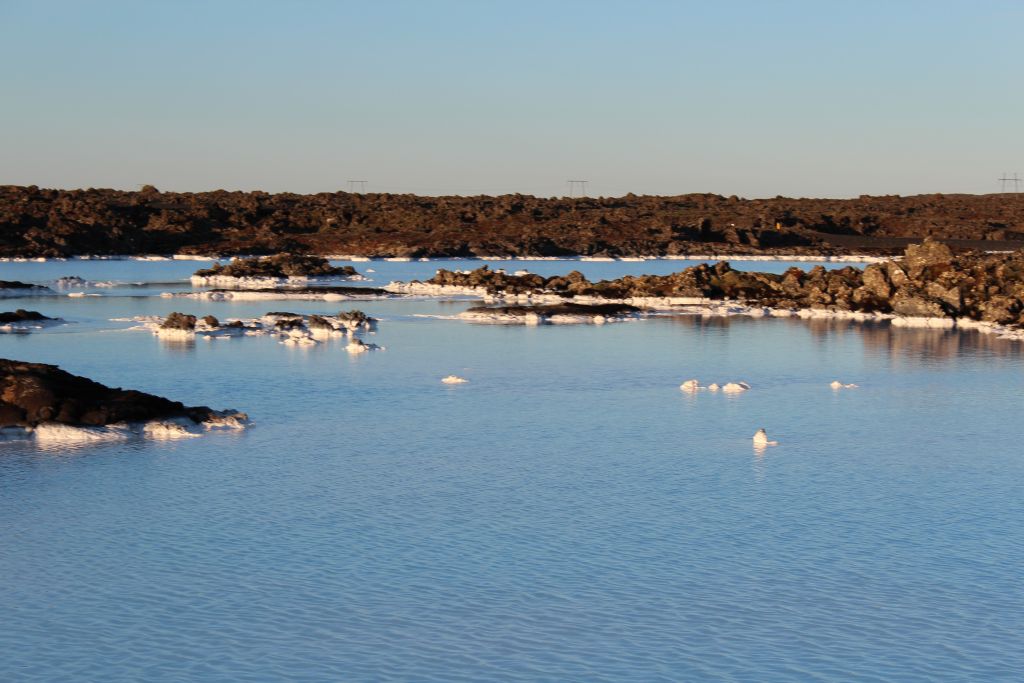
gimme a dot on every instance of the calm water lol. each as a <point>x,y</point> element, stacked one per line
<point>567,515</point>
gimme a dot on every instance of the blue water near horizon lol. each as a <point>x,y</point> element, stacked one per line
<point>567,515</point>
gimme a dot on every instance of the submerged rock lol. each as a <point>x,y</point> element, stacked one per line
<point>44,398</point>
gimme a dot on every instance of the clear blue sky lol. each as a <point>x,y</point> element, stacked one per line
<point>750,98</point>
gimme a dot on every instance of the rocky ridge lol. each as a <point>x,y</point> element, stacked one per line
<point>38,222</point>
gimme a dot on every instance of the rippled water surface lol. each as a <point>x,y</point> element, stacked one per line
<point>568,514</point>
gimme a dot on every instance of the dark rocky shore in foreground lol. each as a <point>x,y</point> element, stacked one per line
<point>929,281</point>
<point>34,393</point>
<point>53,223</point>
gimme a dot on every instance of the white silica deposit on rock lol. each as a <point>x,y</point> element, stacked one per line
<point>56,434</point>
<point>279,295</point>
<point>761,439</point>
<point>357,346</point>
<point>691,386</point>
<point>232,282</point>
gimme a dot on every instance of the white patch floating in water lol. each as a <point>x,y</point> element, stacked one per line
<point>735,388</point>
<point>357,346</point>
<point>454,379</point>
<point>836,384</point>
<point>691,386</point>
<point>761,439</point>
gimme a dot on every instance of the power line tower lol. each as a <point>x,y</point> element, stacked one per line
<point>354,185</point>
<point>577,186</point>
<point>1006,181</point>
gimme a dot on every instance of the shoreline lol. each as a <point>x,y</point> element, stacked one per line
<point>719,308</point>
<point>708,256</point>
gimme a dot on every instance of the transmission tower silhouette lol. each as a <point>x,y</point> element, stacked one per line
<point>354,184</point>
<point>577,185</point>
<point>1006,181</point>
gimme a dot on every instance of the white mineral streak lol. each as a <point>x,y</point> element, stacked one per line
<point>274,295</point>
<point>258,282</point>
<point>55,435</point>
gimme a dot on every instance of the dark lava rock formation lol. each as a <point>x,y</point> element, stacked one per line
<point>279,265</point>
<point>34,393</point>
<point>930,281</point>
<point>179,321</point>
<point>20,316</point>
<point>24,288</point>
<point>39,222</point>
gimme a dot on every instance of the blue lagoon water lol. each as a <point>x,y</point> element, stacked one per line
<point>569,514</point>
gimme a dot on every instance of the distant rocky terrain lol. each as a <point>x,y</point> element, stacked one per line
<point>929,281</point>
<point>39,222</point>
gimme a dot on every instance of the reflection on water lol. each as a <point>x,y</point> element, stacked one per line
<point>937,344</point>
<point>925,343</point>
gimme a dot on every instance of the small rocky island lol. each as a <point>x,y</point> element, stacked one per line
<point>277,269</point>
<point>23,316</point>
<point>289,328</point>
<point>929,282</point>
<point>46,403</point>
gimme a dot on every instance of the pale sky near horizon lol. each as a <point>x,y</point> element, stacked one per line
<point>797,98</point>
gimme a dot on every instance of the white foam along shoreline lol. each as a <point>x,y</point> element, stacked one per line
<point>699,306</point>
<point>498,317</point>
<point>27,326</point>
<point>57,435</point>
<point>229,281</point>
<point>852,258</point>
<point>275,295</point>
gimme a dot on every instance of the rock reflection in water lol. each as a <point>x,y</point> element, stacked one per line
<point>878,337</point>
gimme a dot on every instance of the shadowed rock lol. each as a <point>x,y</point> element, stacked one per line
<point>21,315</point>
<point>34,393</point>
<point>179,321</point>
